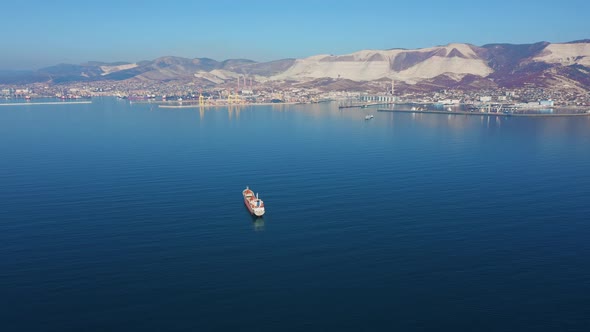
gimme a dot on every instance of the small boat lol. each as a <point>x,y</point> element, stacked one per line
<point>369,117</point>
<point>254,204</point>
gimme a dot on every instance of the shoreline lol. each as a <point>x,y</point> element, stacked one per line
<point>226,105</point>
<point>47,103</point>
<point>487,113</point>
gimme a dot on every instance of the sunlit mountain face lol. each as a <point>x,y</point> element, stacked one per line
<point>459,66</point>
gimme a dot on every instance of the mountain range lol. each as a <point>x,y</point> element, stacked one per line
<point>461,66</point>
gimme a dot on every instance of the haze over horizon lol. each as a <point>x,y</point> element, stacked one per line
<point>42,34</point>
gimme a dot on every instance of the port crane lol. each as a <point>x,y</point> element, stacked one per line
<point>201,98</point>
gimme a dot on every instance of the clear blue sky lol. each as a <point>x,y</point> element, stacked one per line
<point>41,33</point>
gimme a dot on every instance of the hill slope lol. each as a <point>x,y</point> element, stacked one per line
<point>462,66</point>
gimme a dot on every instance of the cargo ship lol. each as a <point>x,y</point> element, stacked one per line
<point>254,204</point>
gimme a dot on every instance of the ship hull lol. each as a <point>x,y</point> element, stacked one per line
<point>254,211</point>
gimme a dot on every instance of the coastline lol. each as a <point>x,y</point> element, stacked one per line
<point>47,103</point>
<point>487,113</point>
<point>226,105</point>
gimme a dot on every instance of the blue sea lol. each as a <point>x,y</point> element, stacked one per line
<point>119,216</point>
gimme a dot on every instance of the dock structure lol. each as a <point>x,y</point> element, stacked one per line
<point>495,108</point>
<point>368,100</point>
<point>363,105</point>
<point>378,99</point>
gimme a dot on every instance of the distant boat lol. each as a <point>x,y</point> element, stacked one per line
<point>254,204</point>
<point>369,117</point>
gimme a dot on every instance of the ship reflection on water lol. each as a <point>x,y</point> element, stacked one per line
<point>257,223</point>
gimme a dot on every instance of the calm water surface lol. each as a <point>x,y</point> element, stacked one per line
<point>129,217</point>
